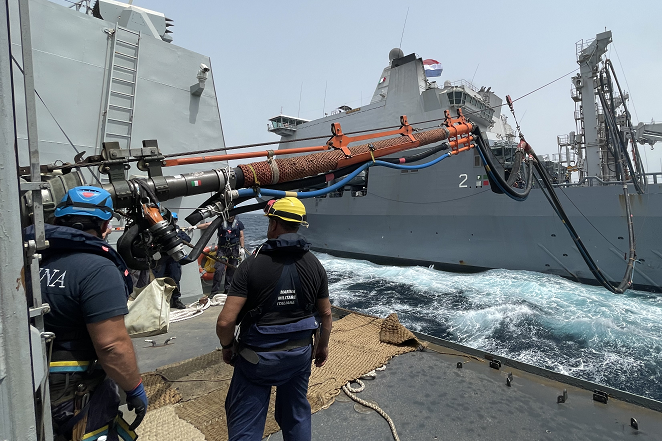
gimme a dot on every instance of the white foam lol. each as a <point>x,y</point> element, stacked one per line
<point>572,328</point>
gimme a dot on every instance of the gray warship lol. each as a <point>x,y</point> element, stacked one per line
<point>448,217</point>
<point>113,75</point>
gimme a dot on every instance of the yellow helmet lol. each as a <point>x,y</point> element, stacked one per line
<point>289,209</point>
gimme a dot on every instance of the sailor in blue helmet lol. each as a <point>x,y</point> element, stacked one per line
<point>86,283</point>
<point>280,297</point>
<point>169,267</point>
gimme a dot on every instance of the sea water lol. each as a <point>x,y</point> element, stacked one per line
<point>544,320</point>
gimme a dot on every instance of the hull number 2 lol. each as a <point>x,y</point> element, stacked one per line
<point>463,176</point>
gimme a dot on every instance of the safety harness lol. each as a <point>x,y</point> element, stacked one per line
<point>228,238</point>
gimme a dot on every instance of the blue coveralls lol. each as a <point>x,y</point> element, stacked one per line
<point>288,368</point>
<point>69,285</point>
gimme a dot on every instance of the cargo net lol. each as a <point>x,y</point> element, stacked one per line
<point>298,167</point>
<point>186,399</point>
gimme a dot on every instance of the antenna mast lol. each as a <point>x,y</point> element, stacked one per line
<point>403,29</point>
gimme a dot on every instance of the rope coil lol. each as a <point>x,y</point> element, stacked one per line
<point>351,391</point>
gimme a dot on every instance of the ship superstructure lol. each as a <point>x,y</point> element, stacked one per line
<point>448,216</point>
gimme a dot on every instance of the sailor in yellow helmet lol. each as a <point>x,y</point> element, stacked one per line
<point>280,298</point>
<point>289,209</point>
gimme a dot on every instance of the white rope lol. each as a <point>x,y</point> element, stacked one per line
<point>350,391</point>
<point>196,308</point>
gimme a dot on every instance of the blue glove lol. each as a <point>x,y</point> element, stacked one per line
<point>136,400</point>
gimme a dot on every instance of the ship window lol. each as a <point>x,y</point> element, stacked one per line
<point>450,98</point>
<point>477,160</point>
<point>458,97</point>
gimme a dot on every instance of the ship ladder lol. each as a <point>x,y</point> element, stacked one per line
<point>122,87</point>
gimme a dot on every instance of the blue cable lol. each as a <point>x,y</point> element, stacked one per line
<point>413,167</point>
<point>305,194</point>
<point>311,194</point>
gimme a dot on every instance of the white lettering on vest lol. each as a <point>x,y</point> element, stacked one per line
<point>52,277</point>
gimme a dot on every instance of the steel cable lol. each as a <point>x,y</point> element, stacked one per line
<point>261,144</point>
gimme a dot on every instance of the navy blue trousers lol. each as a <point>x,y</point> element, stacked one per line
<point>248,397</point>
<point>232,254</point>
<point>170,268</point>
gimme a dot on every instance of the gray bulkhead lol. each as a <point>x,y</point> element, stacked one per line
<point>72,64</point>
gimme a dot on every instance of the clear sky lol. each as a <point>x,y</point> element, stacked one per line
<point>265,55</point>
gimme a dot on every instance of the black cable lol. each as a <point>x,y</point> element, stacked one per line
<point>556,203</point>
<point>551,196</point>
<point>620,152</point>
<point>548,190</point>
<point>419,156</point>
<point>202,242</point>
<point>640,181</point>
<point>211,229</point>
<point>495,178</point>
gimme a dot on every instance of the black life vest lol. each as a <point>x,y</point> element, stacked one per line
<point>287,301</point>
<point>70,346</point>
<point>66,239</point>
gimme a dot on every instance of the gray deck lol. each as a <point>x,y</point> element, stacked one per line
<point>428,397</point>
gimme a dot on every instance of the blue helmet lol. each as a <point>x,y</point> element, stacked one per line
<point>86,201</point>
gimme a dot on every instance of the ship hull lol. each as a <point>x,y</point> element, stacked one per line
<point>448,216</point>
<point>439,216</point>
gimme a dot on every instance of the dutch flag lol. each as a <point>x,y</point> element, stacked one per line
<point>432,68</point>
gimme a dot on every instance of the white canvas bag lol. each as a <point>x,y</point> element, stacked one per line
<point>149,308</point>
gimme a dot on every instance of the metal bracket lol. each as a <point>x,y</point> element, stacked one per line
<point>30,186</point>
<point>48,336</point>
<point>509,379</point>
<point>115,164</point>
<point>562,398</point>
<point>31,249</point>
<point>459,365</point>
<point>150,158</point>
<point>45,308</point>
<point>600,396</point>
<point>495,364</point>
<point>339,140</point>
<point>634,423</point>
